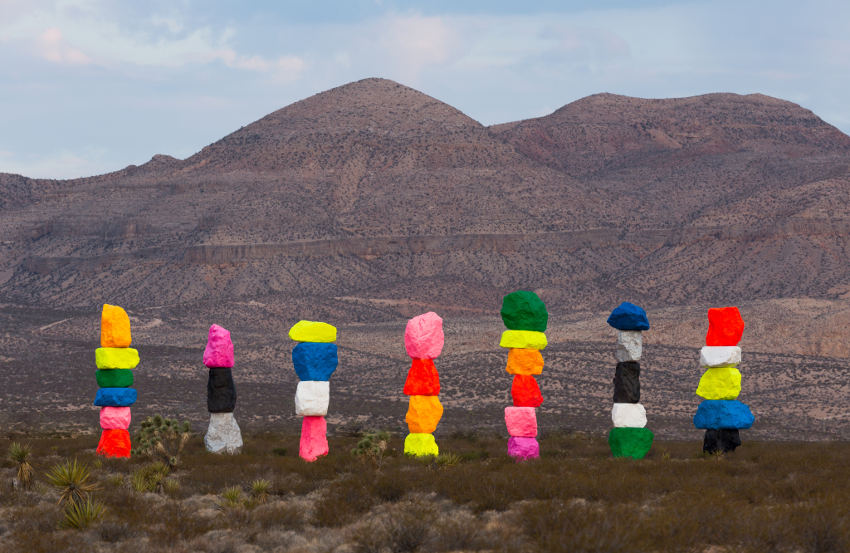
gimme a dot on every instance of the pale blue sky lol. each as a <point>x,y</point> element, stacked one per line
<point>90,86</point>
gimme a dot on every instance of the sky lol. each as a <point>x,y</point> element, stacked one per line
<point>91,86</point>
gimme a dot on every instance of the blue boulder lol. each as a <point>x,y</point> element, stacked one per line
<point>115,397</point>
<point>723,413</point>
<point>628,316</point>
<point>315,361</point>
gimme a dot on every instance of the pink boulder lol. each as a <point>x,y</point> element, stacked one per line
<point>112,418</point>
<point>314,438</point>
<point>521,421</point>
<point>219,351</point>
<point>522,449</point>
<point>423,336</point>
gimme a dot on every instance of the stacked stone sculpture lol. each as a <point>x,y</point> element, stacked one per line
<point>423,339</point>
<point>115,361</point>
<point>525,316</point>
<point>223,434</point>
<point>721,414</point>
<point>629,437</point>
<point>315,359</point>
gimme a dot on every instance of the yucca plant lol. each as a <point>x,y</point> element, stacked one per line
<point>72,480</point>
<point>231,498</point>
<point>20,455</point>
<point>260,490</point>
<point>82,514</point>
<point>149,478</point>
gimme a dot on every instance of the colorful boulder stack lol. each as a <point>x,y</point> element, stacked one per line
<point>525,316</point>
<point>629,437</point>
<point>721,414</point>
<point>315,359</point>
<point>223,434</point>
<point>423,339</point>
<point>115,361</point>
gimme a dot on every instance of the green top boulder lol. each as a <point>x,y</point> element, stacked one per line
<point>524,310</point>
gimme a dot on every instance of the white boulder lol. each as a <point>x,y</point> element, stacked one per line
<point>312,398</point>
<point>223,434</point>
<point>719,356</point>
<point>628,415</point>
<point>629,345</point>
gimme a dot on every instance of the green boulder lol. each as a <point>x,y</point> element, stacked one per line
<point>630,442</point>
<point>114,378</point>
<point>524,310</point>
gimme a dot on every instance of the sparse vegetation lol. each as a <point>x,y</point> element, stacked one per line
<point>20,455</point>
<point>372,447</point>
<point>164,438</point>
<point>72,480</point>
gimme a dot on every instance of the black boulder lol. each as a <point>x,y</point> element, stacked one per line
<point>221,392</point>
<point>627,382</point>
<point>722,439</point>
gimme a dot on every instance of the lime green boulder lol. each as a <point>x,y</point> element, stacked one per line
<point>630,442</point>
<point>420,445</point>
<point>114,378</point>
<point>116,358</point>
<point>312,331</point>
<point>523,339</point>
<point>524,310</point>
<point>720,383</point>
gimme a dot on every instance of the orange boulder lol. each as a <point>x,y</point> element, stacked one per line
<point>526,392</point>
<point>422,379</point>
<point>114,327</point>
<point>525,361</point>
<point>423,414</point>
<point>114,443</point>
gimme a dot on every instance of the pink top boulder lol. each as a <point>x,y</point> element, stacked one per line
<point>423,337</point>
<point>219,351</point>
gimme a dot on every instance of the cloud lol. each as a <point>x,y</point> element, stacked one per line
<point>414,42</point>
<point>58,164</point>
<point>53,48</point>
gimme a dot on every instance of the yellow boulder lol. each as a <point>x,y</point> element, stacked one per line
<point>421,445</point>
<point>423,414</point>
<point>523,339</point>
<point>114,327</point>
<point>312,331</point>
<point>524,361</point>
<point>116,358</point>
<point>720,383</point>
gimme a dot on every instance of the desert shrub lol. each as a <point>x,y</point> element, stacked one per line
<point>260,490</point>
<point>279,515</point>
<point>177,523</point>
<point>456,531</point>
<point>389,487</point>
<point>21,454</point>
<point>578,528</point>
<point>343,501</point>
<point>149,478</point>
<point>408,525</point>
<point>164,438</point>
<point>113,531</point>
<point>82,514</point>
<point>72,480</point>
<point>372,447</point>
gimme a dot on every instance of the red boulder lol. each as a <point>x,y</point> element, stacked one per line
<point>525,391</point>
<point>725,326</point>
<point>114,443</point>
<point>422,379</point>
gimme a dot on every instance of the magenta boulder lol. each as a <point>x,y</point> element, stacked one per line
<point>219,350</point>
<point>314,438</point>
<point>522,448</point>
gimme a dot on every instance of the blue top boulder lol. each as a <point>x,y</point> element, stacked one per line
<point>723,413</point>
<point>315,360</point>
<point>628,316</point>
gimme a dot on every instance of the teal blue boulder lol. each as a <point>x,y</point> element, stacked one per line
<point>723,413</point>
<point>115,397</point>
<point>315,360</point>
<point>628,316</point>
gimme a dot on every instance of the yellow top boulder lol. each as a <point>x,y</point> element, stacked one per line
<point>114,327</point>
<point>312,331</point>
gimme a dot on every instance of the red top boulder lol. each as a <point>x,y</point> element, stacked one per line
<point>725,326</point>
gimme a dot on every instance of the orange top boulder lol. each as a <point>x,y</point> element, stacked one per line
<point>114,327</point>
<point>725,326</point>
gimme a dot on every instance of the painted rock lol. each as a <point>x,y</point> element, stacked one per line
<point>627,382</point>
<point>721,440</point>
<point>223,434</point>
<point>522,448</point>
<point>725,326</point>
<point>114,378</point>
<point>115,417</point>
<point>114,327</point>
<point>423,336</point>
<point>315,360</point>
<point>115,397</point>
<point>524,361</point>
<point>116,358</point>
<point>629,345</point>
<point>628,316</point>
<point>422,379</point>
<point>314,438</point>
<point>524,310</point>
<point>523,339</point>
<point>723,413</point>
<point>719,356</point>
<point>312,398</point>
<point>521,421</point>
<point>221,391</point>
<point>421,445</point>
<point>312,331</point>
<point>219,350</point>
<point>423,414</point>
<point>628,415</point>
<point>114,443</point>
<point>630,442</point>
<point>525,391</point>
<point>720,383</point>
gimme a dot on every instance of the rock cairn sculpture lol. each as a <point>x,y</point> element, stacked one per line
<point>315,359</point>
<point>629,437</point>
<point>525,316</point>
<point>423,339</point>
<point>721,414</point>
<point>115,361</point>
<point>223,434</point>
